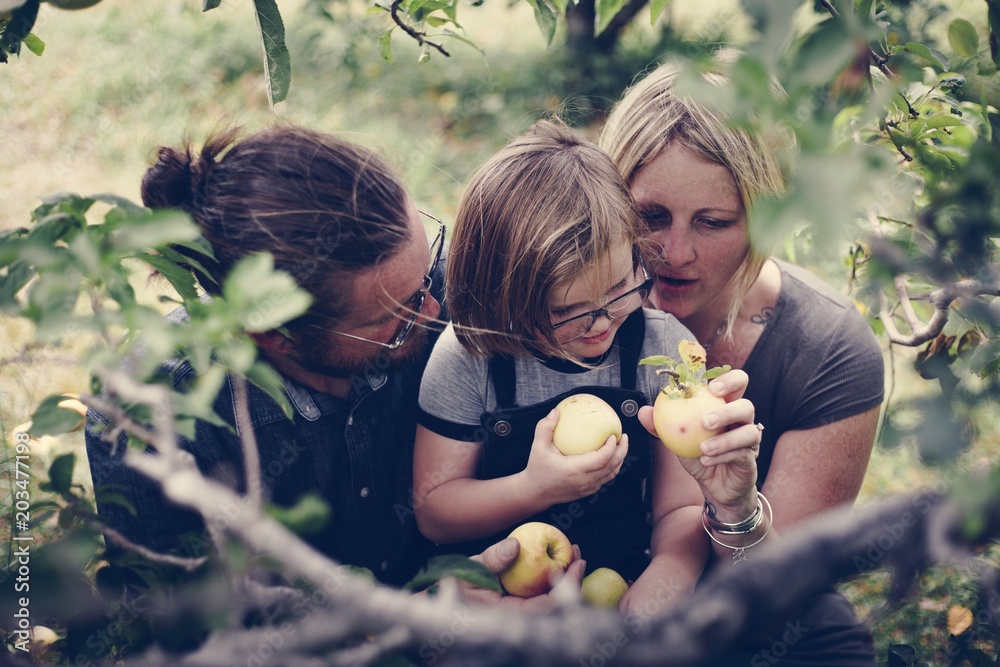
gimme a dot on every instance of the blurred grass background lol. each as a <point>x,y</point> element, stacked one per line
<point>120,79</point>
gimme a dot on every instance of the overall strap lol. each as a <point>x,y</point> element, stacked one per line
<point>502,373</point>
<point>631,337</point>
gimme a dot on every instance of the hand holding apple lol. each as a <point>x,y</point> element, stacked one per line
<point>552,477</point>
<point>544,555</point>
<point>585,424</point>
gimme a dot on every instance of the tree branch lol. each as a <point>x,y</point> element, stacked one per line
<point>941,299</point>
<point>421,37</point>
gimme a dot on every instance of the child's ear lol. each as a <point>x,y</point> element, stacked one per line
<point>273,340</point>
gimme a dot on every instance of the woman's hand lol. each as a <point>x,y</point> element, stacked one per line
<point>561,479</point>
<point>727,468</point>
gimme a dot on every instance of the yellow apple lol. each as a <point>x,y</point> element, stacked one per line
<point>603,588</point>
<point>545,552</point>
<point>678,420</point>
<point>585,422</point>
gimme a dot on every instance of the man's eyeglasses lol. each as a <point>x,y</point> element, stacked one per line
<point>577,326</point>
<point>415,303</point>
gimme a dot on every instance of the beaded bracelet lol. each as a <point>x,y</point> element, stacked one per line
<point>739,553</point>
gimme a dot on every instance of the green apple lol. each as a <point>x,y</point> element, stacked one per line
<point>603,588</point>
<point>678,420</point>
<point>585,422</point>
<point>545,552</point>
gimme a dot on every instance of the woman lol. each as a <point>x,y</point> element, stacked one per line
<point>815,367</point>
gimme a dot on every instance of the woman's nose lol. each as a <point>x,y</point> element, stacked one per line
<point>677,247</point>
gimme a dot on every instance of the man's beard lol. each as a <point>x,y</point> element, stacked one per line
<point>315,356</point>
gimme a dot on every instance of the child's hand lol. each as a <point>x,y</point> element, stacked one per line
<point>558,478</point>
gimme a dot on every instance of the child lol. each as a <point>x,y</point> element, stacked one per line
<point>545,285</point>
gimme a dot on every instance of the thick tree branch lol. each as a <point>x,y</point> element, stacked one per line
<point>941,299</point>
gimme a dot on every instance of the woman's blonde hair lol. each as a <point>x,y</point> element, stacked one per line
<point>652,115</point>
<point>543,208</point>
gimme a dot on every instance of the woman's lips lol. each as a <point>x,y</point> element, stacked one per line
<point>674,284</point>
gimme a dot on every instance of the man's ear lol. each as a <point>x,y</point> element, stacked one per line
<point>274,341</point>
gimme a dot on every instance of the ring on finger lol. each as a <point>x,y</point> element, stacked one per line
<point>754,448</point>
<point>759,427</point>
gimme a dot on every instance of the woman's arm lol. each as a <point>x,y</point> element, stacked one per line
<point>451,505</point>
<point>820,468</point>
<point>679,546</point>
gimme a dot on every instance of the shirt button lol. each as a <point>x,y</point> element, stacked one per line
<point>350,420</point>
<point>385,565</point>
<point>364,492</point>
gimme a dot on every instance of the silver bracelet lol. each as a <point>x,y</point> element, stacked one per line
<point>739,553</point>
<point>747,525</point>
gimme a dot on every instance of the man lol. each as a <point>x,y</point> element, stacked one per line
<point>337,218</point>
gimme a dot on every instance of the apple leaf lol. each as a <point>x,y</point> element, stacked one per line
<point>454,565</point>
<point>52,419</point>
<point>713,373</point>
<point>656,360</point>
<point>309,515</point>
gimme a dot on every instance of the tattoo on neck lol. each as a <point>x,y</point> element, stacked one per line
<point>763,317</point>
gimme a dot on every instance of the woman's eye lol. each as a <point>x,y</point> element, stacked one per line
<point>716,223</point>
<point>656,219</point>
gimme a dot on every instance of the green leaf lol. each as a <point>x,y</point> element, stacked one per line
<point>209,4</point>
<point>153,229</point>
<point>179,277</point>
<point>656,8</point>
<point>49,419</point>
<point>34,43</point>
<point>963,38</point>
<point>454,565</point>
<point>126,205</point>
<point>713,373</point>
<point>385,47</point>
<point>61,473</point>
<point>545,18</point>
<point>266,378</point>
<point>309,515</point>
<point>656,360</point>
<point>606,11</point>
<point>277,61</point>
<point>942,120</point>
<point>112,498</point>
<point>464,40</point>
<point>928,54</point>
<point>17,277</point>
<point>262,297</point>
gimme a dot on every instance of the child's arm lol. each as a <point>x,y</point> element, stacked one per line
<point>451,505</point>
<point>679,545</point>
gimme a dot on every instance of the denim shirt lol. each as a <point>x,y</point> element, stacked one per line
<point>354,453</point>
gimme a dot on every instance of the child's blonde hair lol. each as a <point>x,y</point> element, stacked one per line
<point>542,209</point>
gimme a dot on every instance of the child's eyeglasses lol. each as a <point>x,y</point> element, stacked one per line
<point>577,326</point>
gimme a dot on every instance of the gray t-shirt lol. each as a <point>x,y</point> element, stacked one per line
<point>816,362</point>
<point>456,388</point>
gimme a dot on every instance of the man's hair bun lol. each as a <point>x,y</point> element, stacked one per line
<point>177,176</point>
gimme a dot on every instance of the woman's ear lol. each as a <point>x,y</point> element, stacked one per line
<point>275,341</point>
